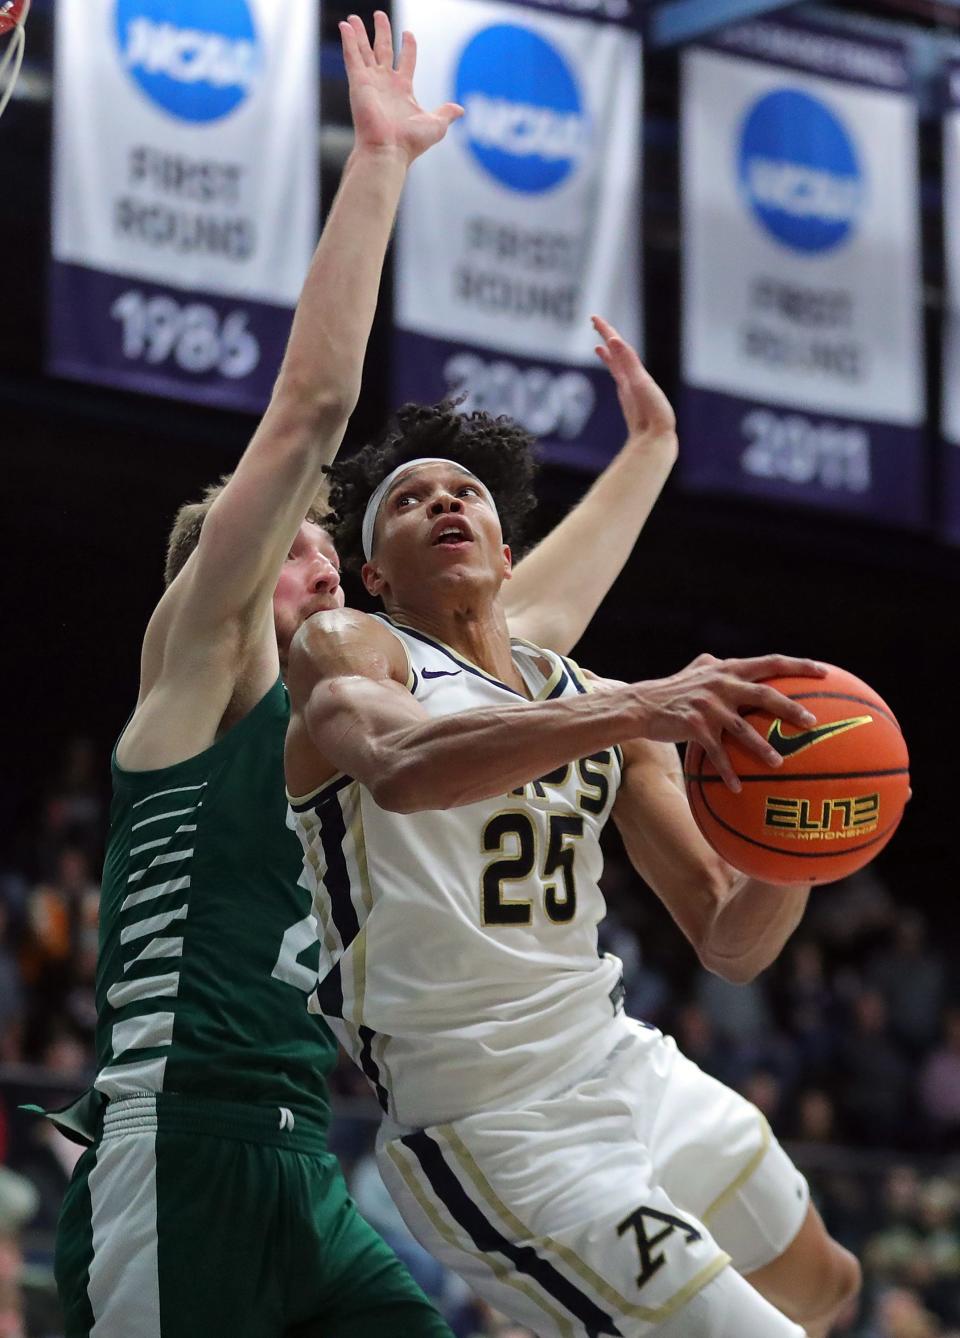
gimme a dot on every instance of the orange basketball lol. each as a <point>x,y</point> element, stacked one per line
<point>832,806</point>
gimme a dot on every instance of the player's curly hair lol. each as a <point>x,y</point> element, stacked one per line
<point>495,450</point>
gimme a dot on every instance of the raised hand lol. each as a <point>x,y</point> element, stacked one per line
<point>646,409</point>
<point>386,115</point>
<point>703,702</point>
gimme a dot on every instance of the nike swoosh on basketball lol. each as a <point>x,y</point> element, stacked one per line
<point>789,744</point>
<point>440,673</point>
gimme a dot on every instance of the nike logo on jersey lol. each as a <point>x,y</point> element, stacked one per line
<point>440,673</point>
<point>789,744</point>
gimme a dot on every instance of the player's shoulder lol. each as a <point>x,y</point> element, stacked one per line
<point>344,642</point>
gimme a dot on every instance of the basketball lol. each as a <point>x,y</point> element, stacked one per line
<point>831,807</point>
<point>12,12</point>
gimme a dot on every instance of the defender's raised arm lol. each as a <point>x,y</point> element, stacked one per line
<point>214,628</point>
<point>557,588</point>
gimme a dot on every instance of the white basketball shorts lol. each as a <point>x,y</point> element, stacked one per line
<point>605,1207</point>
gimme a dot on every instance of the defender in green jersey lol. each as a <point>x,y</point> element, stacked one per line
<point>207,1203</point>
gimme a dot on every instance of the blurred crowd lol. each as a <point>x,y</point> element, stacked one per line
<point>850,1045</point>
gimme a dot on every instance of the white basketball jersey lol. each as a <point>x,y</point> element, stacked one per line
<point>459,963</point>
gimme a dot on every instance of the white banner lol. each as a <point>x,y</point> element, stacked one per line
<point>185,191</point>
<point>802,303</point>
<point>527,221</point>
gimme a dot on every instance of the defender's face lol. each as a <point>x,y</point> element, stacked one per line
<point>434,525</point>
<point>309,583</point>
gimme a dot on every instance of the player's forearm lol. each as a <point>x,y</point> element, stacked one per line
<point>323,363</point>
<point>589,547</point>
<point>448,761</point>
<point>750,928</point>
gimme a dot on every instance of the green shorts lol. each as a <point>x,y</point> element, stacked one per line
<point>204,1219</point>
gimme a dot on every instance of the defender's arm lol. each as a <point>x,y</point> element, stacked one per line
<point>213,629</point>
<point>251,525</point>
<point>737,924</point>
<point>557,588</point>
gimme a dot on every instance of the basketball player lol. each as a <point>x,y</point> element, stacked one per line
<point>576,1170</point>
<point>208,1203</point>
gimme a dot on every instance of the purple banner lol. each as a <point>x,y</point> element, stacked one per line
<point>791,455</point>
<point>573,411</point>
<point>124,332</point>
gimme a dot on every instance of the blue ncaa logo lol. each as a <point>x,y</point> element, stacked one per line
<point>799,171</point>
<point>524,123</point>
<point>196,59</point>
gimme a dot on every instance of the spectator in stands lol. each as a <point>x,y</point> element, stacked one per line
<point>808,1008</point>
<point>61,920</point>
<point>911,977</point>
<point>815,1117</point>
<point>765,1090</point>
<point>697,1039</point>
<point>856,915</point>
<point>11,994</point>
<point>940,1085</point>
<point>900,1313</point>
<point>874,1076</point>
<point>18,1203</point>
<point>74,812</point>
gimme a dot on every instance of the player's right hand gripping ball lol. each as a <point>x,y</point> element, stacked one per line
<point>833,804</point>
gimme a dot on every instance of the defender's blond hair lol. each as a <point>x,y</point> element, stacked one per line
<point>188,522</point>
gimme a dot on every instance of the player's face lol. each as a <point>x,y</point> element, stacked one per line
<point>435,524</point>
<point>309,582</point>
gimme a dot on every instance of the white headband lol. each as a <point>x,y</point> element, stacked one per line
<point>377,496</point>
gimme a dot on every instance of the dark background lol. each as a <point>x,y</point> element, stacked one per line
<point>90,479</point>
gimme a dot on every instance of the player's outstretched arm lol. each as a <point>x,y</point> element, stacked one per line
<point>251,525</point>
<point>214,626</point>
<point>352,713</point>
<point>590,546</point>
<point>737,925</point>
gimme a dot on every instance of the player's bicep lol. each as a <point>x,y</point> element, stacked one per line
<point>353,721</point>
<point>350,697</point>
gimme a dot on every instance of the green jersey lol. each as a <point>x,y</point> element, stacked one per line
<point>207,943</point>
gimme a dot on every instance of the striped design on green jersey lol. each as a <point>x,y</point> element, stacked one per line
<point>329,824</point>
<point>153,912</point>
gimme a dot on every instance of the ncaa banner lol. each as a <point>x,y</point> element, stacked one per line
<point>949,510</point>
<point>527,221</point>
<point>184,192</point>
<point>802,321</point>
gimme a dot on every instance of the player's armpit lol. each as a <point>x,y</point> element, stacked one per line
<point>664,843</point>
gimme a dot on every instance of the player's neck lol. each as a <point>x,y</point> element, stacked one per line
<point>477,633</point>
